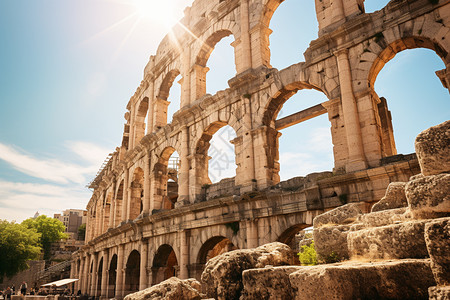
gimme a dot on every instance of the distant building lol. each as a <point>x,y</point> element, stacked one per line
<point>72,220</point>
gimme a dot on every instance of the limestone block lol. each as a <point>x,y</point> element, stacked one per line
<point>437,238</point>
<point>439,293</point>
<point>342,215</point>
<point>331,241</point>
<point>172,288</point>
<point>404,279</point>
<point>405,240</point>
<point>429,196</point>
<point>433,149</point>
<point>385,217</point>
<point>223,273</point>
<point>268,283</point>
<point>395,197</point>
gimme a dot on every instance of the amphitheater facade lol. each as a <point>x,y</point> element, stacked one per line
<point>148,220</point>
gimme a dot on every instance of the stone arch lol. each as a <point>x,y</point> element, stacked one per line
<point>165,194</point>
<point>118,204</point>
<point>213,247</point>
<point>137,193</point>
<point>165,264</point>
<point>139,119</point>
<point>288,236</point>
<point>388,52</point>
<point>112,273</point>
<point>132,272</point>
<point>107,209</point>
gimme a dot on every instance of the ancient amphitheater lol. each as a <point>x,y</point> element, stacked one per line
<point>149,221</point>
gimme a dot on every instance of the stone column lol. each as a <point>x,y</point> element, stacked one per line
<point>186,85</point>
<point>104,287</point>
<point>356,159</point>
<point>143,267</point>
<point>252,234</point>
<point>112,207</point>
<point>132,139</point>
<point>119,272</point>
<point>337,11</point>
<point>146,201</point>
<point>151,96</point>
<point>84,286</point>
<point>198,81</point>
<point>93,287</point>
<point>160,113</point>
<point>125,195</point>
<point>184,255</point>
<point>183,179</point>
<point>248,171</point>
<point>245,62</point>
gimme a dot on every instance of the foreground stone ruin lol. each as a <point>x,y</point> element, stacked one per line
<point>153,216</point>
<point>400,250</point>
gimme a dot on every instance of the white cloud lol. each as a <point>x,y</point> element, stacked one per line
<point>91,153</point>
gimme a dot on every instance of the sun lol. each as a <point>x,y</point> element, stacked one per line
<point>157,11</point>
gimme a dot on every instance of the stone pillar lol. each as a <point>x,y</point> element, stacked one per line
<point>198,81</point>
<point>260,52</point>
<point>183,179</point>
<point>160,113</point>
<point>120,271</point>
<point>338,133</point>
<point>146,200</point>
<point>112,207</point>
<point>132,138</point>
<point>143,267</point>
<point>186,80</point>
<point>248,172</point>
<point>151,96</point>
<point>337,11</point>
<point>93,287</point>
<point>84,288</point>
<point>104,287</point>
<point>356,160</point>
<point>184,255</point>
<point>252,234</point>
<point>245,62</point>
<point>125,195</point>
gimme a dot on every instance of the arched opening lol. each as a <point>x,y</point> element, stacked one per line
<point>220,66</point>
<point>201,68</point>
<point>214,246</point>
<point>137,193</point>
<point>112,275</point>
<point>222,161</point>
<point>139,121</point>
<point>374,5</point>
<point>305,144</point>
<point>165,264</point>
<point>288,236</point>
<point>408,84</point>
<point>168,99</point>
<point>99,277</point>
<point>286,18</point>
<point>166,179</point>
<point>132,272</point>
<point>118,205</point>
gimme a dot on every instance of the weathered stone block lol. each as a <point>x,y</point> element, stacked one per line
<point>437,238</point>
<point>331,241</point>
<point>268,283</point>
<point>429,196</point>
<point>342,215</point>
<point>223,273</point>
<point>433,149</point>
<point>385,217</point>
<point>439,293</point>
<point>405,240</point>
<point>404,279</point>
<point>395,197</point>
<point>172,288</point>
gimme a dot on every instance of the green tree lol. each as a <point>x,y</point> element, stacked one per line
<point>51,230</point>
<point>308,255</point>
<point>82,232</point>
<point>18,244</point>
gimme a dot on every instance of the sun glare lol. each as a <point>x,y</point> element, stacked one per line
<point>157,11</point>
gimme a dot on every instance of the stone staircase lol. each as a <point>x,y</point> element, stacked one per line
<point>53,273</point>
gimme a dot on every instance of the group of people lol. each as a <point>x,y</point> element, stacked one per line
<point>11,290</point>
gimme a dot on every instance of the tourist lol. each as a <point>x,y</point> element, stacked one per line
<point>8,293</point>
<point>23,288</point>
<point>32,291</point>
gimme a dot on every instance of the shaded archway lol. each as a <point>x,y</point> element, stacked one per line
<point>132,272</point>
<point>139,120</point>
<point>112,275</point>
<point>99,278</point>
<point>137,193</point>
<point>165,264</point>
<point>288,236</point>
<point>162,117</point>
<point>214,246</point>
<point>165,179</point>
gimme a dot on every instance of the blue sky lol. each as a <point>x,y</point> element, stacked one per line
<point>68,69</point>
